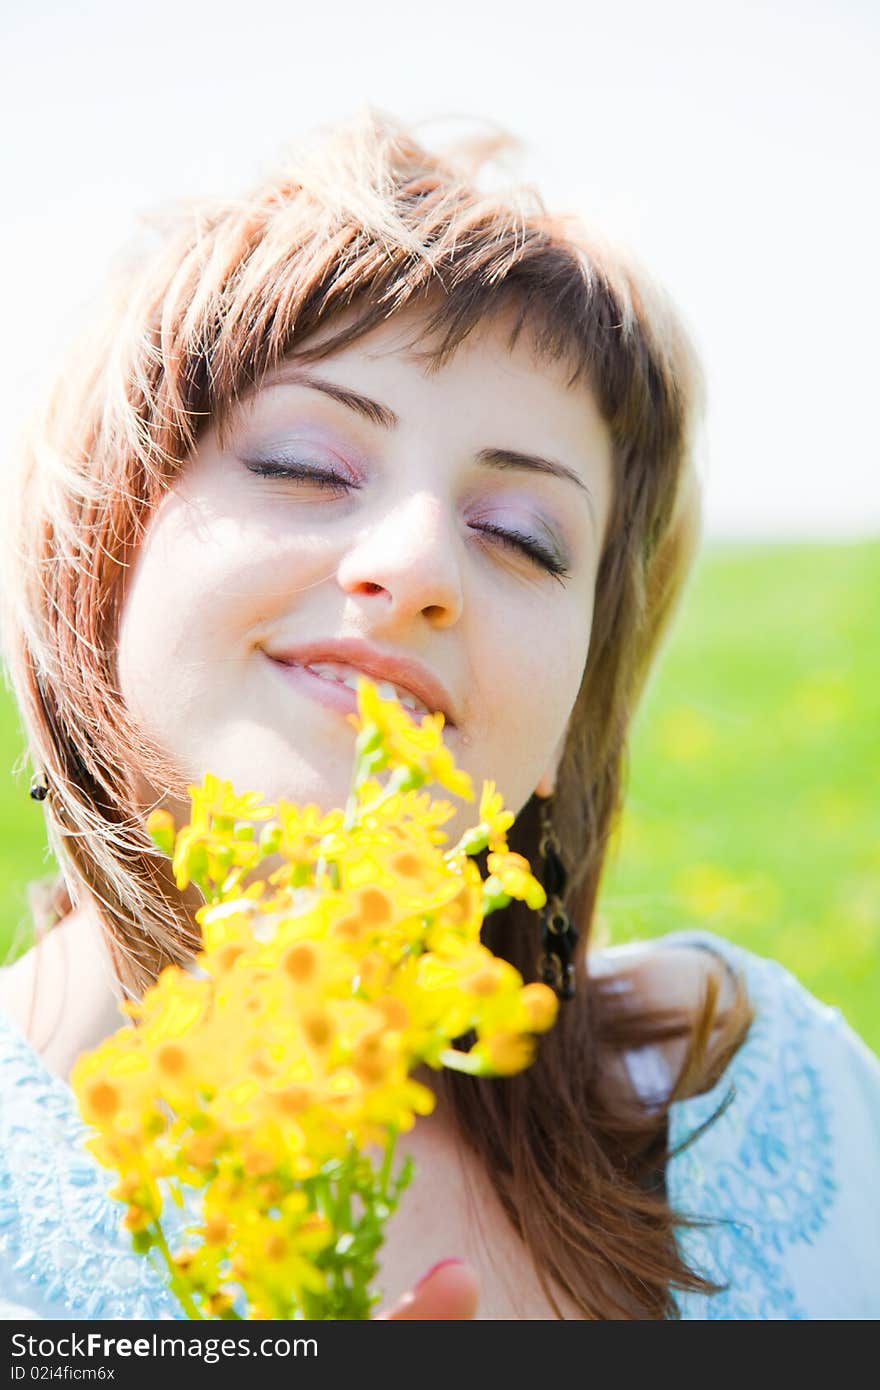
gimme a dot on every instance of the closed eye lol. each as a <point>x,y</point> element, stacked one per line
<point>296,471</point>
<point>527,545</point>
<point>300,472</point>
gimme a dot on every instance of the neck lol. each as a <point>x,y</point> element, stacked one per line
<point>63,994</point>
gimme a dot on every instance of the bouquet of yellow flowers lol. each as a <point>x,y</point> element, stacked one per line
<point>272,1077</point>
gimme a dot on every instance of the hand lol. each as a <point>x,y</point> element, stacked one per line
<point>448,1291</point>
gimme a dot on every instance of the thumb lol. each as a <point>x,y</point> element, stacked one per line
<point>449,1291</point>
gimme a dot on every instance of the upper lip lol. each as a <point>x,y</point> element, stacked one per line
<point>400,670</point>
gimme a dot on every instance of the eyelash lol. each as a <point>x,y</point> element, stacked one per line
<point>528,545</point>
<point>331,481</point>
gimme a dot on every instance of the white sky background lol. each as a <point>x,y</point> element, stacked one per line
<point>733,147</point>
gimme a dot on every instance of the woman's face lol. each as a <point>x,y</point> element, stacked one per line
<point>369,509</point>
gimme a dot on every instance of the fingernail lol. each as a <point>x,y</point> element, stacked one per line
<point>441,1264</point>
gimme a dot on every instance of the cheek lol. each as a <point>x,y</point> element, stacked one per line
<point>529,671</point>
<point>179,610</point>
<point>204,587</point>
<point>535,652</point>
<point>202,578</point>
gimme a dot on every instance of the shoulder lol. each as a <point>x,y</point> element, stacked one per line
<point>670,978</point>
<point>671,973</point>
<point>63,1252</point>
<point>780,1159</point>
<point>61,994</point>
<point>788,1017</point>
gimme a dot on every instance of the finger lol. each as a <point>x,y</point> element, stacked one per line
<point>448,1292</point>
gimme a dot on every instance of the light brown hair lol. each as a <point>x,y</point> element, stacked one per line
<point>366,219</point>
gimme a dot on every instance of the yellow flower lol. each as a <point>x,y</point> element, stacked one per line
<point>298,837</point>
<point>507,1053</point>
<point>272,1246</point>
<point>216,800</point>
<point>493,825</point>
<point>419,748</point>
<point>541,1005</point>
<point>113,1086</point>
<point>442,769</point>
<point>218,845</point>
<point>391,891</point>
<point>160,828</point>
<point>172,1007</point>
<point>494,817</point>
<point>264,1072</point>
<point>385,813</point>
<point>513,875</point>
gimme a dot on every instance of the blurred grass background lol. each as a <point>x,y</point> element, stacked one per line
<point>753,804</point>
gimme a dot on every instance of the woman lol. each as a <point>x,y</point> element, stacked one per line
<point>371,418</point>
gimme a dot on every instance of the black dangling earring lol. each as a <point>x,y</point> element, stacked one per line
<point>39,786</point>
<point>558,936</point>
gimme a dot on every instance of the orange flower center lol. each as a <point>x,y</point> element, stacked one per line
<point>318,1028</point>
<point>406,864</point>
<point>103,1100</point>
<point>375,907</point>
<point>276,1247</point>
<point>301,962</point>
<point>171,1059</point>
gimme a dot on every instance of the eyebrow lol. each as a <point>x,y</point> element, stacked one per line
<point>533,463</point>
<point>377,414</point>
<point>371,410</point>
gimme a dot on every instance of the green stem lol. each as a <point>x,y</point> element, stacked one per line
<point>393,787</point>
<point>385,1174</point>
<point>177,1287</point>
<point>462,1061</point>
<point>351,811</point>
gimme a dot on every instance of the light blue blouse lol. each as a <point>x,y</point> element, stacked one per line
<point>788,1176</point>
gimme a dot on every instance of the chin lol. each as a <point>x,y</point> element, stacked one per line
<point>326,792</point>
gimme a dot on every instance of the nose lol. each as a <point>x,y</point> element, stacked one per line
<point>408,560</point>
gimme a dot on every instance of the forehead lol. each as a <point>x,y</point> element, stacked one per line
<point>500,355</point>
<point>407,332</point>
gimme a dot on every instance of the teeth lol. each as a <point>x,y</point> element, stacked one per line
<point>328,669</point>
<point>348,676</point>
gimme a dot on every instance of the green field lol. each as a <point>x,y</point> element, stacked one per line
<point>753,804</point>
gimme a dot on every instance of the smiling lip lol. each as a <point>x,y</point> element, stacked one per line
<point>403,671</point>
